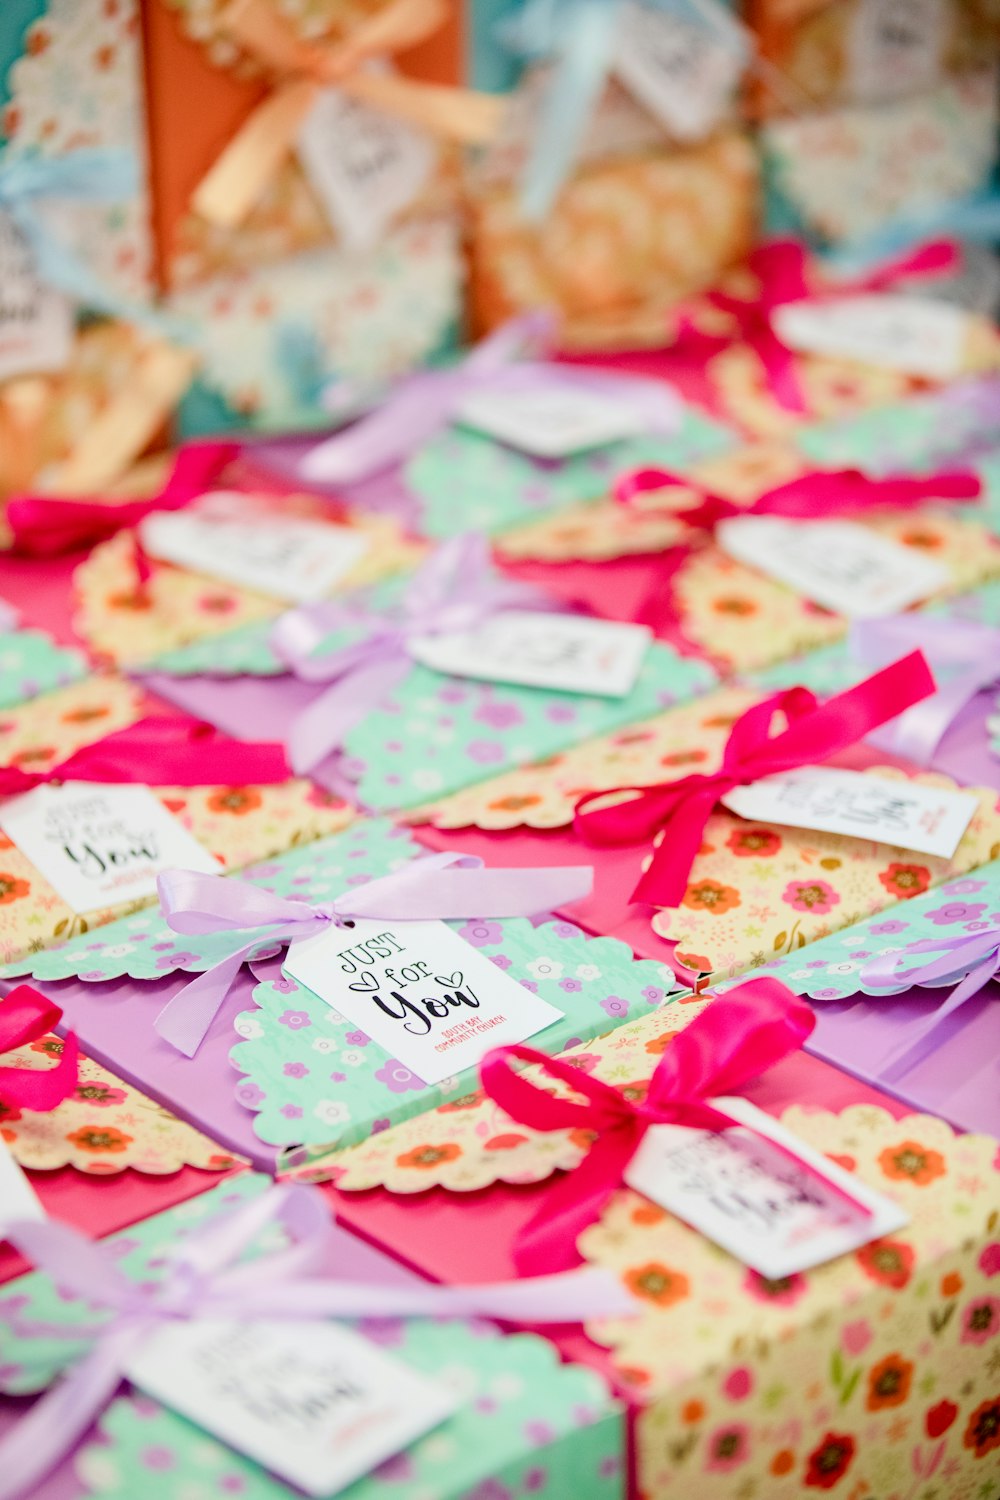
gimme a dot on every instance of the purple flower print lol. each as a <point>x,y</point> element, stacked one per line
<point>963,887</point>
<point>453,694</point>
<point>498,715</point>
<point>250,1095</point>
<point>560,713</point>
<point>283,986</point>
<point>827,995</point>
<point>535,1480</point>
<point>571,986</point>
<point>615,1006</point>
<point>295,1020</point>
<point>175,960</point>
<point>485,752</point>
<point>481,934</point>
<point>500,959</point>
<point>955,911</point>
<point>357,1039</point>
<point>291,1111</point>
<point>653,995</point>
<point>231,1484</point>
<point>539,1433</point>
<point>491,1489</point>
<point>158,1457</point>
<point>396,1470</point>
<point>338,1077</point>
<point>529,984</point>
<point>563,930</point>
<point>397,1079</point>
<point>158,947</point>
<point>295,1070</point>
<point>379,1125</point>
<point>886,929</point>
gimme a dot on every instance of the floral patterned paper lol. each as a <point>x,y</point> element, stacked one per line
<point>31,664</point>
<point>127,624</point>
<point>877,1374</point>
<point>465,729</point>
<point>103,1128</point>
<point>238,824</point>
<point>502,488</point>
<point>526,1420</point>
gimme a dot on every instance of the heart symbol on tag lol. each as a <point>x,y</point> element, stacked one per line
<point>366,984</point>
<point>450,981</point>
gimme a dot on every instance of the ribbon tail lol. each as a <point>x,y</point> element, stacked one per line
<point>548,1242</point>
<point>321,728</point>
<point>920,1041</point>
<point>779,367</point>
<point>184,1021</point>
<point>587,52</point>
<point>232,186</point>
<point>456,114</point>
<point>665,880</point>
<point>42,1089</point>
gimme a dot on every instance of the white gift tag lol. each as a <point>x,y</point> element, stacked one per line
<point>896,47</point>
<point>906,814</point>
<point>895,331</point>
<point>423,993</point>
<point>36,322</point>
<point>101,845</point>
<point>364,165</point>
<point>285,557</point>
<point>17,1196</point>
<point>845,567</point>
<point>550,423</point>
<point>683,70</point>
<point>312,1402</point>
<point>567,653</point>
<point>774,1215</point>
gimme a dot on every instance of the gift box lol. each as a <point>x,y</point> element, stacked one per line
<point>861,51</point>
<point>308,1074</point>
<point>239,824</point>
<point>754,890</point>
<point>31,664</point>
<point>279,303</point>
<point>905,1036</point>
<point>466,728</point>
<point>868,1370</point>
<point>846,174</point>
<point>523,1419</point>
<point>639,242</point>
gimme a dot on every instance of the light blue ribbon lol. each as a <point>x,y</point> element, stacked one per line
<point>99,175</point>
<point>578,36</point>
<point>975,219</point>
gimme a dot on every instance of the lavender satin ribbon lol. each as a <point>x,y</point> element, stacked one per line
<point>456,589</point>
<point>206,1278</point>
<point>435,887</point>
<point>969,961</point>
<point>964,655</point>
<point>425,402</point>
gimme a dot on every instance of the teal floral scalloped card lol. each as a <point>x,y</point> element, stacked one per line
<point>31,664</point>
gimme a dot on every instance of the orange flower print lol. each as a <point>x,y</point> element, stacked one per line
<point>660,1043</point>
<point>425,1157</point>
<point>53,1046</point>
<point>711,896</point>
<point>698,963</point>
<point>889,1382</point>
<point>692,1411</point>
<point>464,1101</point>
<point>648,1213</point>
<point>100,1138</point>
<point>732,604</point>
<point>514,804</point>
<point>887,1261</point>
<point>754,843</point>
<point>913,1162</point>
<point>85,715</point>
<point>238,800</point>
<point>905,880</point>
<point>684,758</point>
<point>132,599</point>
<point>929,541</point>
<point>33,755</point>
<point>982,1434</point>
<point>951,1284</point>
<point>12,889</point>
<point>657,1283</point>
<point>782,1462</point>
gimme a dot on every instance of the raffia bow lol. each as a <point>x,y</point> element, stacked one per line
<point>303,69</point>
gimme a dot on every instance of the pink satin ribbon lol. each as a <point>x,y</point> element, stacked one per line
<point>738,1037</point>
<point>969,961</point>
<point>209,1277</point>
<point>26,1016</point>
<point>781,270</point>
<point>435,887</point>
<point>455,589</point>
<point>45,525</point>
<point>161,750</point>
<point>680,809</point>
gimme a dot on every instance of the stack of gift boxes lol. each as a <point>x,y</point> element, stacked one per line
<point>499,903</point>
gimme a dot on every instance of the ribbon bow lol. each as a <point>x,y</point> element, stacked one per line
<point>680,809</point>
<point>455,589</point>
<point>809,497</point>
<point>161,750</point>
<point>422,404</point>
<point>741,1034</point>
<point>44,526</point>
<point>968,961</point>
<point>234,184</point>
<point>435,887</point>
<point>965,658</point>
<point>207,1277</point>
<point>780,268</point>
<point>25,1016</point>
